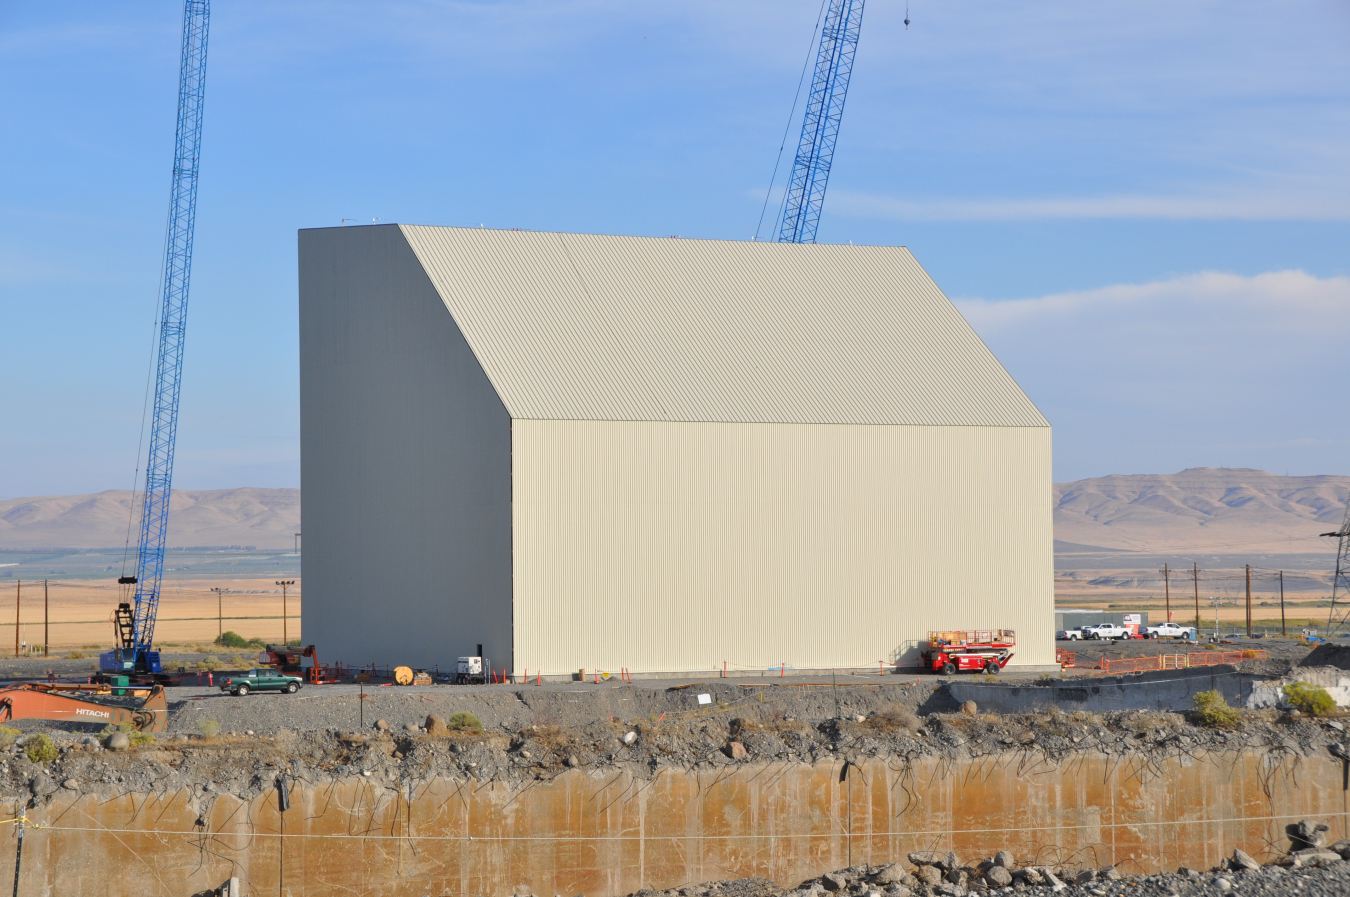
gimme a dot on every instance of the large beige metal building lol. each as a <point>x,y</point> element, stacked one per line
<point>665,455</point>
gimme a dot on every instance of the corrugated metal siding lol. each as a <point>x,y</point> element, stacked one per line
<point>677,546</point>
<point>405,463</point>
<point>583,327</point>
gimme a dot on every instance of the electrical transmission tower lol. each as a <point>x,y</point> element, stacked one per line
<point>1338,619</point>
<point>820,127</point>
<point>137,627</point>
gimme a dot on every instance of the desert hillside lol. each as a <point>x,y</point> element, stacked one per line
<point>1226,510</point>
<point>262,518</point>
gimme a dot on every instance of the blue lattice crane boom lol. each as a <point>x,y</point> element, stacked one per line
<point>136,625</point>
<point>820,126</point>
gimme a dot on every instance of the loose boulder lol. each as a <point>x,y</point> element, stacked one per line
<point>1315,856</point>
<point>969,708</point>
<point>435,725</point>
<point>832,881</point>
<point>1306,834</point>
<point>1004,858</point>
<point>1243,862</point>
<point>118,741</point>
<point>998,877</point>
<point>735,750</point>
<point>929,875</point>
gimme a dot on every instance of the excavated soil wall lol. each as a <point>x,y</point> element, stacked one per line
<point>611,833</point>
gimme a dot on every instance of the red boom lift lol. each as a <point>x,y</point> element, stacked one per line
<point>304,662</point>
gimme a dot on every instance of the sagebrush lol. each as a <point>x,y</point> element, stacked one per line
<point>1214,711</point>
<point>231,639</point>
<point>41,749</point>
<point>1310,699</point>
<point>465,722</point>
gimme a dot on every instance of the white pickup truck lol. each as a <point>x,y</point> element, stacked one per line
<point>1170,630</point>
<point>1105,631</point>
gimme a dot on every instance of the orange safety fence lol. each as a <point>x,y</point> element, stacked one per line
<point>1159,661</point>
<point>1210,658</point>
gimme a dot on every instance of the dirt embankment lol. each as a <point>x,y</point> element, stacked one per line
<point>532,735</point>
<point>1328,654</point>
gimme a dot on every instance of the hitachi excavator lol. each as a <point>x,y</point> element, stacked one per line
<point>84,704</point>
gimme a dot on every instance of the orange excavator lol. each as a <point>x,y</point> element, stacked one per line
<point>83,704</point>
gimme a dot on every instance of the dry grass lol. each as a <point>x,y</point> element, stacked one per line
<point>79,609</point>
<point>894,719</point>
<point>1148,723</point>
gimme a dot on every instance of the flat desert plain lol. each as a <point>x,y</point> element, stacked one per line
<point>78,614</point>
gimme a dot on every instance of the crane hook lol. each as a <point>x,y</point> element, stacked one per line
<point>906,16</point>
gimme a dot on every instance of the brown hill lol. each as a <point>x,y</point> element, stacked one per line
<point>1202,508</point>
<point>1236,509</point>
<point>262,518</point>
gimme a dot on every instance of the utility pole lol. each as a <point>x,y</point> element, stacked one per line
<point>1195,578</point>
<point>284,583</point>
<point>18,597</point>
<point>1167,591</point>
<point>1249,601</point>
<point>220,616</point>
<point>1284,633</point>
<point>46,632</point>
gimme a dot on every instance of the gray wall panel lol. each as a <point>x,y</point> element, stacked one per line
<point>405,463</point>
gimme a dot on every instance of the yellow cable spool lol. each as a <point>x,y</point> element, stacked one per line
<point>403,675</point>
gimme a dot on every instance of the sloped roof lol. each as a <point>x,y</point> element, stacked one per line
<point>585,327</point>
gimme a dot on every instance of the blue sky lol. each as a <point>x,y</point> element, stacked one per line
<point>1143,209</point>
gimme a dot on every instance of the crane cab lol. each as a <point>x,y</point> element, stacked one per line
<point>128,660</point>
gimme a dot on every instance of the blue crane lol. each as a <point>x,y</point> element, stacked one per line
<point>820,126</point>
<point>136,626</point>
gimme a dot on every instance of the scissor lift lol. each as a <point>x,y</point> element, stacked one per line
<point>969,650</point>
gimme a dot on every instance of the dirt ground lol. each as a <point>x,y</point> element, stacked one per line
<point>1282,653</point>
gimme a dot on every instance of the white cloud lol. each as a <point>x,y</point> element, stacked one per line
<point>1208,369</point>
<point>1284,300</point>
<point>1265,206</point>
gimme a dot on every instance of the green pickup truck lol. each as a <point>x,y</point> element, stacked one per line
<point>262,680</point>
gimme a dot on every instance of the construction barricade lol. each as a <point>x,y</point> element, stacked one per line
<point>1067,659</point>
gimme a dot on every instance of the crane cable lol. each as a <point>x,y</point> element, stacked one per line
<point>788,127</point>
<point>145,402</point>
